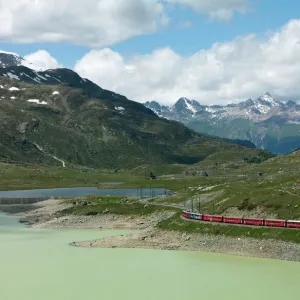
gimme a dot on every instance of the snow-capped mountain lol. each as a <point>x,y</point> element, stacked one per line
<point>183,109</point>
<point>259,109</point>
<point>13,66</point>
<point>10,59</point>
<point>187,106</point>
<point>268,123</point>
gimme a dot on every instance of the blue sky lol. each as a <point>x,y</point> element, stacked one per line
<point>125,52</point>
<point>262,16</point>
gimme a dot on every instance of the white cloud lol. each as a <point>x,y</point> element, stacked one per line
<point>41,60</point>
<point>227,72</point>
<point>94,23</point>
<point>221,10</point>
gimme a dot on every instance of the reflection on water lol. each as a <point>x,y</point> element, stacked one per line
<point>39,264</point>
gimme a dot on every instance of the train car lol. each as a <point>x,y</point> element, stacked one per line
<point>293,224</point>
<point>233,220</point>
<point>206,218</point>
<point>275,223</point>
<point>218,219</point>
<point>195,216</point>
<point>186,214</point>
<point>251,221</point>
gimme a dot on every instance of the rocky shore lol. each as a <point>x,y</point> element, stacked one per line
<point>143,233</point>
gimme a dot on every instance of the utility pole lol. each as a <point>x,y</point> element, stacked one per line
<point>149,155</point>
<point>212,207</point>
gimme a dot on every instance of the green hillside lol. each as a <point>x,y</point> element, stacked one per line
<point>80,124</point>
<point>274,134</point>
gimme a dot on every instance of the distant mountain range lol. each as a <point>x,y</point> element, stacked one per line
<point>267,123</point>
<point>57,117</point>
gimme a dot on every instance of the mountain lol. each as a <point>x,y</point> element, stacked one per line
<point>266,122</point>
<point>10,59</point>
<point>56,117</point>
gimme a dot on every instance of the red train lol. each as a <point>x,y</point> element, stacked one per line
<point>244,221</point>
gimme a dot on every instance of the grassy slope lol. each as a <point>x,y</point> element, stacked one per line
<point>177,223</point>
<point>115,205</point>
<point>124,206</point>
<point>278,138</point>
<point>277,192</point>
<point>241,188</point>
<point>15,177</point>
<point>82,127</point>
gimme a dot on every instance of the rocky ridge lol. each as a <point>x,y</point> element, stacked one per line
<point>266,122</point>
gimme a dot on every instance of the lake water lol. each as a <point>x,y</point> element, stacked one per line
<point>82,191</point>
<point>40,265</point>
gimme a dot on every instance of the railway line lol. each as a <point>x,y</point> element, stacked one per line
<point>258,222</point>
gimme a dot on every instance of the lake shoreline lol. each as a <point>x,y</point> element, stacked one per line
<point>145,234</point>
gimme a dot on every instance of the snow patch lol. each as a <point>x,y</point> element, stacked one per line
<point>34,79</point>
<point>1,87</point>
<point>268,98</point>
<point>210,110</point>
<point>55,93</point>
<point>189,106</point>
<point>261,108</point>
<point>40,76</point>
<point>13,89</point>
<point>120,108</point>
<point>12,98</point>
<point>57,80</point>
<point>13,76</point>
<point>37,101</point>
<point>11,53</point>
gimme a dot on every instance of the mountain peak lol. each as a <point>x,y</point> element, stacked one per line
<point>268,100</point>
<point>291,103</point>
<point>9,53</point>
<point>11,59</point>
<point>187,105</point>
<point>153,105</point>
